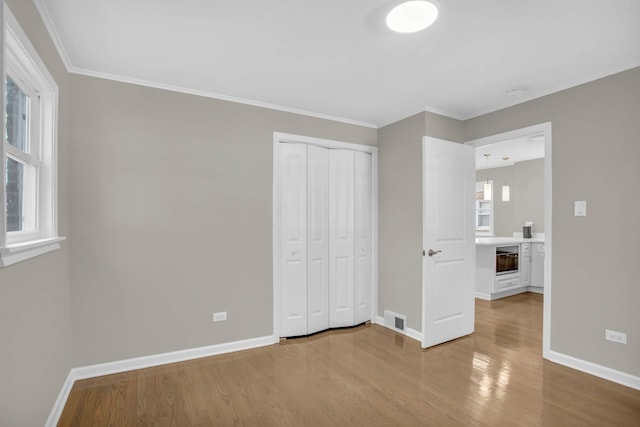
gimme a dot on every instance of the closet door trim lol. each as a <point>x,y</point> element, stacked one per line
<point>279,138</point>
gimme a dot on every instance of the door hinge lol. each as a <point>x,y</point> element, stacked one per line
<point>423,252</point>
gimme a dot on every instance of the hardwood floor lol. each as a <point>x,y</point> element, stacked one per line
<point>367,376</point>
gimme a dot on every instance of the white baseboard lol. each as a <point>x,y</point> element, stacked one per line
<point>411,333</point>
<point>595,369</point>
<point>58,406</point>
<point>416,335</point>
<point>171,357</point>
<point>482,295</point>
<point>147,362</point>
<point>535,290</point>
<point>491,297</point>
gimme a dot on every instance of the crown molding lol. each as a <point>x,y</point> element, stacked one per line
<point>444,113</point>
<point>57,41</point>
<point>555,89</point>
<point>48,22</point>
<point>222,97</point>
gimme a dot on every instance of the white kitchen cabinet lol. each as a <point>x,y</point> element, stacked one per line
<point>509,283</point>
<point>525,264</point>
<point>491,285</point>
<point>537,265</point>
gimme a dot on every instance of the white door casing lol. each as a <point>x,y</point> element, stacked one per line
<point>546,130</point>
<point>448,229</point>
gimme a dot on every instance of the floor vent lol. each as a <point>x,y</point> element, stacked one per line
<point>395,321</point>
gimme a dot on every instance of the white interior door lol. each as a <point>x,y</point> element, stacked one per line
<point>318,238</point>
<point>448,241</point>
<point>293,166</point>
<point>341,237</point>
<point>362,193</point>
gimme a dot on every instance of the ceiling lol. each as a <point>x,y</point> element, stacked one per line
<point>517,150</point>
<point>336,59</point>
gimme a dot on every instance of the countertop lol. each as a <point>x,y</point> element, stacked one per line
<point>499,241</point>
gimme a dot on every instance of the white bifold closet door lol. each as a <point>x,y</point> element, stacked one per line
<point>317,239</point>
<point>293,201</point>
<point>326,247</point>
<point>363,263</point>
<point>341,237</point>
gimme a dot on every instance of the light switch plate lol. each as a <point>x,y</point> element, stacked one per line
<point>580,208</point>
<point>220,317</point>
<point>615,336</point>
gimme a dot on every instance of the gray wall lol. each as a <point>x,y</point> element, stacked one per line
<point>528,194</point>
<point>595,155</point>
<point>35,323</point>
<point>166,200</point>
<point>502,211</point>
<point>400,211</point>
<point>526,186</point>
<point>172,217</point>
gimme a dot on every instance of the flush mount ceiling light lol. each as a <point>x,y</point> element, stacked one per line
<point>412,16</point>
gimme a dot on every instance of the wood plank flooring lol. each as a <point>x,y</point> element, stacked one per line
<point>367,376</point>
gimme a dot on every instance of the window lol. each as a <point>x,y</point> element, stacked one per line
<point>29,163</point>
<point>21,160</point>
<point>484,210</point>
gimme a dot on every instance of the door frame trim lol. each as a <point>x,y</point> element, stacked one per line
<point>280,137</point>
<point>542,128</point>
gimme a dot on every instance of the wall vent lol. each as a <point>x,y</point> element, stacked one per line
<point>395,321</point>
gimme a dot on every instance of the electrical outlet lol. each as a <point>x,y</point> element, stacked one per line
<point>619,337</point>
<point>220,316</point>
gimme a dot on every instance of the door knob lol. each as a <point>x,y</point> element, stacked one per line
<point>432,252</point>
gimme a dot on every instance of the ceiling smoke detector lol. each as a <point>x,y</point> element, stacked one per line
<point>412,16</point>
<point>516,91</point>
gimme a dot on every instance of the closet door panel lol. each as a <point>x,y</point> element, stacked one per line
<point>318,238</point>
<point>362,191</point>
<point>341,238</point>
<point>293,159</point>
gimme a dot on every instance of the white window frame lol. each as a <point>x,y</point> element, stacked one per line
<point>484,231</point>
<point>24,66</point>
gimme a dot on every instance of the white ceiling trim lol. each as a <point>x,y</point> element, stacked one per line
<point>70,68</point>
<point>42,9</point>
<point>443,113</point>
<point>57,41</point>
<point>577,82</point>
<point>156,85</point>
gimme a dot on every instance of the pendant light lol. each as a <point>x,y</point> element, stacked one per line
<point>487,185</point>
<point>505,187</point>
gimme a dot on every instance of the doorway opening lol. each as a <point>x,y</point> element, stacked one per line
<point>528,153</point>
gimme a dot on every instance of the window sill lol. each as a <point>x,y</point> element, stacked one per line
<point>22,251</point>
